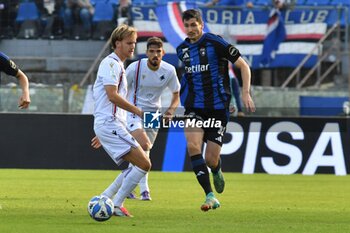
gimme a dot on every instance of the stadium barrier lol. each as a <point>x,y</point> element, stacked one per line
<point>306,145</point>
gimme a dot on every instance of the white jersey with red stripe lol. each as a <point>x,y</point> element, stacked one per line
<point>145,86</point>
<point>110,72</point>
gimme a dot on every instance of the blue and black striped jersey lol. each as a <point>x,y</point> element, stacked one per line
<point>7,65</point>
<point>205,83</point>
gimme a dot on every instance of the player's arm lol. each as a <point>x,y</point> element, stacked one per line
<point>10,68</point>
<point>246,76</point>
<point>174,85</point>
<point>24,100</point>
<point>115,98</point>
<point>175,100</point>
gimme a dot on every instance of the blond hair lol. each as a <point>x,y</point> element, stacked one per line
<point>120,33</point>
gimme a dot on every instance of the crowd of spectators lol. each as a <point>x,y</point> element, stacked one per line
<point>74,19</point>
<point>65,18</point>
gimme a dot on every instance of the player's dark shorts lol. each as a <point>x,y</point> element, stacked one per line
<point>215,119</point>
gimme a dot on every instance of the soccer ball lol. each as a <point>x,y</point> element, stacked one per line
<point>100,208</point>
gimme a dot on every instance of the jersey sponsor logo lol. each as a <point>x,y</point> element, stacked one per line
<point>196,68</point>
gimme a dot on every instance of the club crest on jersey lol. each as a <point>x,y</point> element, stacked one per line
<point>111,64</point>
<point>162,78</point>
<point>143,76</point>
<point>202,52</point>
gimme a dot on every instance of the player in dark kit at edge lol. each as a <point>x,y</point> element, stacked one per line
<point>10,68</point>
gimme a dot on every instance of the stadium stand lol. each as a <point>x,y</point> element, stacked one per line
<point>28,20</point>
<point>317,3</point>
<point>299,2</point>
<point>340,3</point>
<point>103,19</point>
<point>144,2</point>
<point>262,2</point>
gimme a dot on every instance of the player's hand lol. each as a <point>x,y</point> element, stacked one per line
<point>95,143</point>
<point>139,112</point>
<point>24,101</point>
<point>248,102</point>
<point>168,115</point>
<point>240,114</point>
<point>232,108</point>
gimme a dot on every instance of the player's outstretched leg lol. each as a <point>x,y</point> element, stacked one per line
<point>114,187</point>
<point>130,181</point>
<point>141,165</point>
<point>210,202</point>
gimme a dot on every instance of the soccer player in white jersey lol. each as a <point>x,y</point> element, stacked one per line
<point>109,93</point>
<point>147,79</point>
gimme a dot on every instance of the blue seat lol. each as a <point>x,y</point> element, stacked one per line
<point>161,2</point>
<point>103,20</point>
<point>104,11</point>
<point>27,11</point>
<point>144,2</point>
<point>299,2</point>
<point>114,2</point>
<point>340,2</point>
<point>317,3</point>
<point>262,2</point>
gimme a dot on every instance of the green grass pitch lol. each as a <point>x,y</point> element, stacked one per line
<point>50,201</point>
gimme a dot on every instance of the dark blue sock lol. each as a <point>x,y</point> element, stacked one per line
<point>200,169</point>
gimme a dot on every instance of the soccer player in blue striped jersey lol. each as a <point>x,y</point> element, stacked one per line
<point>10,68</point>
<point>205,94</point>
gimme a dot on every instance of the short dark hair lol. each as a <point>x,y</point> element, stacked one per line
<point>192,13</point>
<point>154,41</point>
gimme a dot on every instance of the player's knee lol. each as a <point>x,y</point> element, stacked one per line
<point>146,166</point>
<point>193,147</point>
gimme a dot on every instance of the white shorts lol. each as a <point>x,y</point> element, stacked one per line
<point>115,139</point>
<point>135,122</point>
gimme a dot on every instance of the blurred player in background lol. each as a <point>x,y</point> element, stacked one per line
<point>10,68</point>
<point>205,94</point>
<point>109,93</point>
<point>147,79</point>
